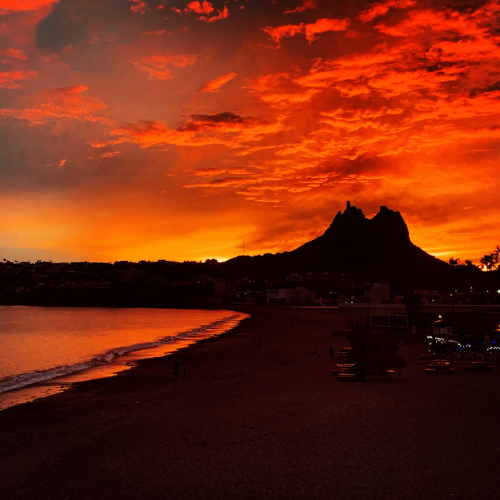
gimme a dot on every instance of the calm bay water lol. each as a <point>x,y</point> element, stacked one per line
<point>39,345</point>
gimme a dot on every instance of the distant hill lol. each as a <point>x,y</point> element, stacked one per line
<point>377,249</point>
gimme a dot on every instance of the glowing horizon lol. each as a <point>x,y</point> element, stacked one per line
<point>146,130</point>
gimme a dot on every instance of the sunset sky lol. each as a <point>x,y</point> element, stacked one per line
<point>176,130</point>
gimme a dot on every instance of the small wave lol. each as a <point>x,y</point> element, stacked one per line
<point>37,377</point>
<point>19,381</point>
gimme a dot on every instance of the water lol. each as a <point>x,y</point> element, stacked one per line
<point>53,347</point>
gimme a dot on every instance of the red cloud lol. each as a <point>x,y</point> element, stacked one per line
<point>278,91</point>
<point>10,79</point>
<point>323,25</point>
<point>221,15</point>
<point>379,9</point>
<point>199,7</point>
<point>155,74</point>
<point>139,6</point>
<point>157,32</point>
<point>310,30</point>
<point>156,66</point>
<point>437,21</point>
<point>110,154</point>
<point>206,8</point>
<point>66,102</point>
<point>215,85</point>
<point>15,53</point>
<point>308,4</point>
<point>286,31</point>
<point>177,60</point>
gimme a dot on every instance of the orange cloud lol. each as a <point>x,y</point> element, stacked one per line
<point>224,129</point>
<point>104,144</point>
<point>224,182</point>
<point>24,5</point>
<point>309,30</point>
<point>209,172</point>
<point>215,85</point>
<point>66,102</point>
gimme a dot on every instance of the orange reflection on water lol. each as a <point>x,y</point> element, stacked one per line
<point>126,331</point>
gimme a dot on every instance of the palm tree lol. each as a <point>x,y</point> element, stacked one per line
<point>469,263</point>
<point>489,261</point>
<point>453,262</point>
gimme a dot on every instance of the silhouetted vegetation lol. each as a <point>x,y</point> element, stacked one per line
<point>490,261</point>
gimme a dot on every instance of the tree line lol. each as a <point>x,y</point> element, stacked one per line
<point>488,261</point>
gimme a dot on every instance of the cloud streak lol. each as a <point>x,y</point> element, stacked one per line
<point>66,102</point>
<point>215,85</point>
<point>156,66</point>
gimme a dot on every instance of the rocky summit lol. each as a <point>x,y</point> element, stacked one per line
<point>377,249</point>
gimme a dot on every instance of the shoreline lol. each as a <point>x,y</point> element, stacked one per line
<point>119,359</point>
<point>251,424</point>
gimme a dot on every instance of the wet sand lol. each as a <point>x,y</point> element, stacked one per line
<point>249,424</point>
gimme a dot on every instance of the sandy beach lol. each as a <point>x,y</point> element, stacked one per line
<point>250,423</point>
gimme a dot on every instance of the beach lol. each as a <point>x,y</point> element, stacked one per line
<point>245,422</point>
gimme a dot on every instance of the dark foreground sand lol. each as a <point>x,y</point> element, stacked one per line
<point>250,424</point>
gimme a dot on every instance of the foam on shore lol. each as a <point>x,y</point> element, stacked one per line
<point>28,386</point>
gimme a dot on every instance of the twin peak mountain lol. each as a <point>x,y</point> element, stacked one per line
<point>373,249</point>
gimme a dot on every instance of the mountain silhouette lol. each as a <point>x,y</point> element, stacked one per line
<point>377,249</point>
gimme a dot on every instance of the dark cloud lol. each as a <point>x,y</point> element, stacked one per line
<point>225,117</point>
<point>439,66</point>
<point>481,90</point>
<point>72,22</point>
<point>213,120</point>
<point>59,29</point>
<point>464,7</point>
